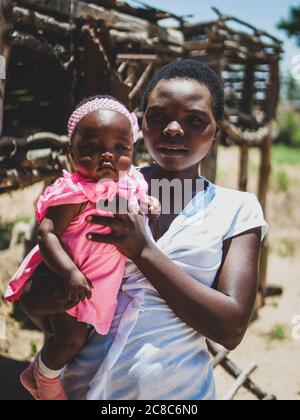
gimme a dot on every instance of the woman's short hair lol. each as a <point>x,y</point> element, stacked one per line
<point>191,70</point>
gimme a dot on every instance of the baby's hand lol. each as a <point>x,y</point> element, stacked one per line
<point>78,287</point>
<point>151,207</point>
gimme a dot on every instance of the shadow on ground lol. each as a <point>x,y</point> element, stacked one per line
<point>10,387</point>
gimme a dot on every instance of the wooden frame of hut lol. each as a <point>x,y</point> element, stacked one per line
<point>60,51</point>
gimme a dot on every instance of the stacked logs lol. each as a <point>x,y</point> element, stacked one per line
<point>24,162</point>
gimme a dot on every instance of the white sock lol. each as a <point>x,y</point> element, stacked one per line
<point>45,371</point>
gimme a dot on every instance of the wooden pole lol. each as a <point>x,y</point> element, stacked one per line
<point>141,82</point>
<point>246,108</point>
<point>5,49</point>
<point>244,164</point>
<point>264,177</point>
<point>209,164</point>
<point>266,166</point>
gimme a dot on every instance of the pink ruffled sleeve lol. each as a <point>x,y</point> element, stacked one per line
<point>65,190</point>
<point>140,182</point>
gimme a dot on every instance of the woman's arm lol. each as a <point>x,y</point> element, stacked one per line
<point>50,231</point>
<point>221,315</point>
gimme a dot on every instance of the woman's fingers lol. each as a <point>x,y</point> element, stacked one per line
<point>102,221</point>
<point>119,205</point>
<point>103,239</point>
<point>123,207</point>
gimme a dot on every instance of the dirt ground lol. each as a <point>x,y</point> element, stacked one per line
<point>269,342</point>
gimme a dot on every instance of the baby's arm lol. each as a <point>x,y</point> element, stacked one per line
<point>57,220</point>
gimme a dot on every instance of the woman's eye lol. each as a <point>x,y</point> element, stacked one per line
<point>197,122</point>
<point>157,118</point>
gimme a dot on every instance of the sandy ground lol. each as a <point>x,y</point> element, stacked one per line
<point>268,343</point>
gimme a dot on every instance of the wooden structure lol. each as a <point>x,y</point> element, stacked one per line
<point>242,378</point>
<point>59,51</point>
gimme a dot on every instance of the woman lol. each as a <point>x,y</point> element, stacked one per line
<point>198,279</point>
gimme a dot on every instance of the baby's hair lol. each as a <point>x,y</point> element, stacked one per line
<point>90,99</point>
<point>191,70</point>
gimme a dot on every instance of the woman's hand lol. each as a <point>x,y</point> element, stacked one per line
<point>128,231</point>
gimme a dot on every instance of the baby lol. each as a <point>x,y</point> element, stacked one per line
<point>102,133</point>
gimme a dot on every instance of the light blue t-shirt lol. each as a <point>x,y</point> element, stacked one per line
<point>150,353</point>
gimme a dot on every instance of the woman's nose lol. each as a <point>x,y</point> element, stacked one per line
<point>173,129</point>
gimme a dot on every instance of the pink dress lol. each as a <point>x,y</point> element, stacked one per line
<point>103,264</point>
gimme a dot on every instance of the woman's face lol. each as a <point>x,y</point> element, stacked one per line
<point>179,125</point>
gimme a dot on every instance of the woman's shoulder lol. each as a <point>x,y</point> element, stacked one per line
<point>234,196</point>
<point>233,202</point>
<point>241,209</point>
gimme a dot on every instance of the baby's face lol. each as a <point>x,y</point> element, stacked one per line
<point>102,145</point>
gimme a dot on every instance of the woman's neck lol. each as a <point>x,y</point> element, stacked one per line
<point>189,174</point>
<point>184,191</point>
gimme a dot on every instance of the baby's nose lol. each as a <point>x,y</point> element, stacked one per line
<point>107,155</point>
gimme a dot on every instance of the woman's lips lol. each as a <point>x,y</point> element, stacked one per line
<point>173,150</point>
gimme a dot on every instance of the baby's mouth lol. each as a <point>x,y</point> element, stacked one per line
<point>107,165</point>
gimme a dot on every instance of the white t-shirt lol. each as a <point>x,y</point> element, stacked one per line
<point>150,353</point>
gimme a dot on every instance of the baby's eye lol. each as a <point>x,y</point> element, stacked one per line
<point>121,148</point>
<point>89,149</point>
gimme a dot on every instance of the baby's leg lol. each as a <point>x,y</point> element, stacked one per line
<point>69,337</point>
<point>44,296</point>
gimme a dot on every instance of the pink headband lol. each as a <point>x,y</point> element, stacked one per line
<point>105,104</point>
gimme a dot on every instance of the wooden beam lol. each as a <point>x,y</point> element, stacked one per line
<point>244,168</point>
<point>142,81</point>
<point>5,50</point>
<point>235,372</point>
<point>237,136</point>
<point>264,178</point>
<point>23,39</point>
<point>137,57</point>
<point>244,376</point>
<point>40,22</point>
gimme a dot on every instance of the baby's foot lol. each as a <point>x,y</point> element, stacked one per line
<point>28,381</point>
<point>49,389</point>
